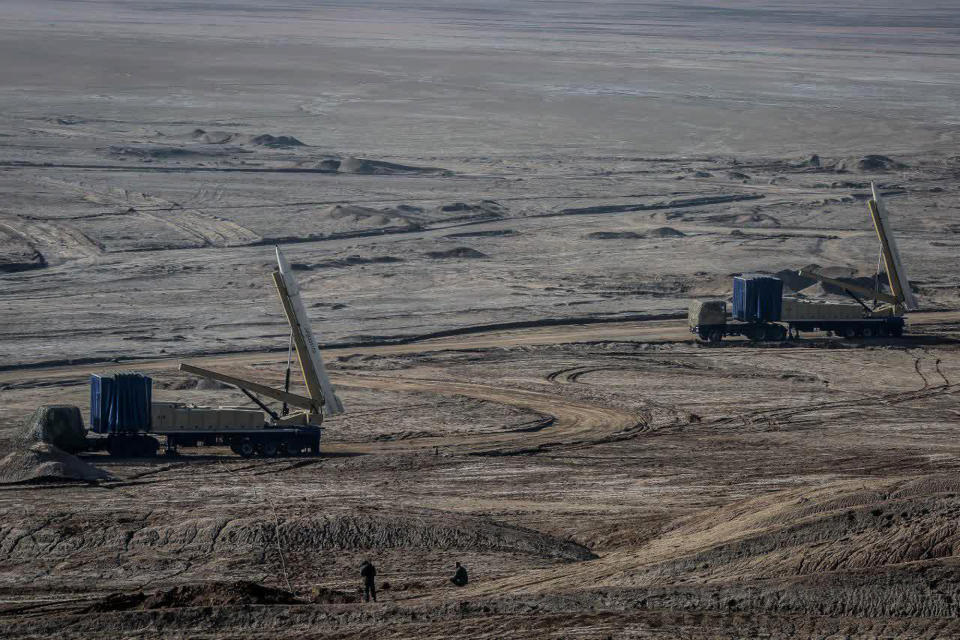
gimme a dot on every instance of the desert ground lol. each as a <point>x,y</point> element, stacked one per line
<point>498,213</point>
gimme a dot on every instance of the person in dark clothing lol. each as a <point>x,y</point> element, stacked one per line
<point>460,577</point>
<point>369,574</point>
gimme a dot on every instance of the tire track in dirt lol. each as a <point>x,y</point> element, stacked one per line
<point>783,415</point>
<point>574,424</point>
<point>209,230</point>
<point>54,240</point>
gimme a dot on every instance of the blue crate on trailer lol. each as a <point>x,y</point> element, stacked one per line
<point>120,403</point>
<point>757,298</point>
<point>101,396</point>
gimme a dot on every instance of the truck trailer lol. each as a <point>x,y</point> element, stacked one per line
<point>760,311</point>
<point>128,421</point>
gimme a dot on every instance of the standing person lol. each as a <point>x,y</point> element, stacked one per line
<point>369,573</point>
<point>460,577</point>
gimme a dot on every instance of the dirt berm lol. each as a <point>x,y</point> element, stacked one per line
<point>44,448</point>
<point>198,538</point>
<point>58,425</point>
<point>43,462</point>
<point>198,595</point>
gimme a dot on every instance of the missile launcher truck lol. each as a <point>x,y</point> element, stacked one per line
<point>761,312</point>
<point>128,421</point>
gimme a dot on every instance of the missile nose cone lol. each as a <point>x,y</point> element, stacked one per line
<point>282,263</point>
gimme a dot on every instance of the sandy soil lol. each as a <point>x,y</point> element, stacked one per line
<point>498,213</point>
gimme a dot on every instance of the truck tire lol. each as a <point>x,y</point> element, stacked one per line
<point>245,449</point>
<point>849,332</point>
<point>132,446</point>
<point>716,335</point>
<point>868,332</point>
<point>119,447</point>
<point>271,449</point>
<point>147,447</point>
<point>774,332</point>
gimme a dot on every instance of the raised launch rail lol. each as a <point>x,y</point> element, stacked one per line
<point>322,397</point>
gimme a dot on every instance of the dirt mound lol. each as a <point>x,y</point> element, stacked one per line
<point>57,425</point>
<point>872,162</point>
<point>742,219</point>
<point>665,232</point>
<point>819,289</point>
<point>484,208</point>
<point>358,217</point>
<point>17,254</point>
<point>213,137</point>
<point>357,220</point>
<point>329,164</point>
<point>457,252</point>
<point>614,235</point>
<point>44,462</point>
<point>26,261</point>
<point>349,261</point>
<point>837,272</point>
<point>380,168</point>
<point>793,280</point>
<point>261,140</point>
<point>211,594</point>
<point>275,142</point>
<point>66,120</point>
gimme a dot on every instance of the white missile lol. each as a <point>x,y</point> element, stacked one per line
<point>311,364</point>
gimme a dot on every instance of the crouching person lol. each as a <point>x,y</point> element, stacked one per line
<point>460,577</point>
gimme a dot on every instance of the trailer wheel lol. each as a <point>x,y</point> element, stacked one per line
<point>270,448</point>
<point>147,447</point>
<point>849,332</point>
<point>132,446</point>
<point>868,332</point>
<point>118,447</point>
<point>246,449</point>
<point>774,332</point>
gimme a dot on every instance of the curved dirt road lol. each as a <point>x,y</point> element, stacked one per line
<point>573,424</point>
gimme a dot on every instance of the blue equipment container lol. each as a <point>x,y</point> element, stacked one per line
<point>757,298</point>
<point>120,403</point>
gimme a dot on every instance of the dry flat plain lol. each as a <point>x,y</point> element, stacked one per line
<point>498,212</point>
